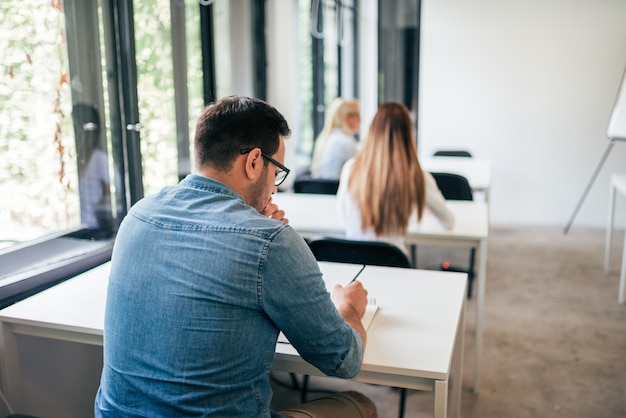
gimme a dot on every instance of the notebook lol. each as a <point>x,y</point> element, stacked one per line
<point>368,317</point>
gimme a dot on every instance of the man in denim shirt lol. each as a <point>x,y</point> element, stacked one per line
<point>204,276</point>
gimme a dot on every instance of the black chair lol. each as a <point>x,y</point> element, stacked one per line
<point>373,253</point>
<point>304,183</point>
<point>453,186</point>
<point>452,153</point>
<point>456,187</point>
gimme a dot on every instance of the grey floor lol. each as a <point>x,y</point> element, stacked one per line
<point>554,334</point>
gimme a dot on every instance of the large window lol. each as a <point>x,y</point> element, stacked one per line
<point>169,87</point>
<point>61,95</point>
<point>331,49</point>
<point>328,38</point>
<point>398,57</point>
<point>99,100</point>
<point>95,112</point>
<point>38,149</point>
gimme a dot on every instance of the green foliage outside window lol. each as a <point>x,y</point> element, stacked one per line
<point>38,179</point>
<point>38,167</point>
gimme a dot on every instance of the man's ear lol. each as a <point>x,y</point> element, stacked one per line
<point>254,164</point>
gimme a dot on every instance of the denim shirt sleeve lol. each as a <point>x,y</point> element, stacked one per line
<point>295,298</point>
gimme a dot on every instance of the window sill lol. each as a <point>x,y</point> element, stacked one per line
<point>34,266</point>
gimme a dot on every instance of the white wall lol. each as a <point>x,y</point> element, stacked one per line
<point>530,86</point>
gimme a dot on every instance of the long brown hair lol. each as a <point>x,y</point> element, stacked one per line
<point>387,181</point>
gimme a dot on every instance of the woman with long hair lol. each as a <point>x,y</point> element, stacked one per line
<point>337,143</point>
<point>384,185</point>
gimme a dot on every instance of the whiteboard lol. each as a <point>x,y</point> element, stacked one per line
<point>617,125</point>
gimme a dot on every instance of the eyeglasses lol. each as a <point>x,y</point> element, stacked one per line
<point>281,173</point>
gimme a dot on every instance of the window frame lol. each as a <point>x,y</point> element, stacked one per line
<point>345,13</point>
<point>66,253</point>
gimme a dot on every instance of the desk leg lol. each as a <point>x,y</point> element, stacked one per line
<point>10,376</point>
<point>622,276</point>
<point>609,228</point>
<point>441,399</point>
<point>480,305</point>
<point>457,372</point>
<point>413,248</point>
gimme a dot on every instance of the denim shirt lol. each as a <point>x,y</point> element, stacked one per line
<point>200,286</point>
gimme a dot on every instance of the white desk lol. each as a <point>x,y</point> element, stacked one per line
<point>314,215</point>
<point>618,184</point>
<point>476,171</point>
<point>415,340</point>
<point>414,337</point>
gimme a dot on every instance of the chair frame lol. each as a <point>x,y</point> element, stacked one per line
<point>453,186</point>
<point>376,253</point>
<point>304,183</point>
<point>452,153</point>
<point>456,187</point>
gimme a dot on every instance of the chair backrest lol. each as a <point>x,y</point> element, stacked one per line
<point>452,153</point>
<point>453,186</point>
<point>304,183</point>
<point>374,253</point>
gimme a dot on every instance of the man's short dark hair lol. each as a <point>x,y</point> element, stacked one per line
<point>235,123</point>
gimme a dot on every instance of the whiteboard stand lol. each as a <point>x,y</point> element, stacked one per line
<point>615,132</point>
<point>593,178</point>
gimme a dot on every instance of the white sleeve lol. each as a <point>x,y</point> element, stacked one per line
<point>343,195</point>
<point>339,148</point>
<point>436,203</point>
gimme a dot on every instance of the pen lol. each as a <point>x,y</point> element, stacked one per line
<point>357,275</point>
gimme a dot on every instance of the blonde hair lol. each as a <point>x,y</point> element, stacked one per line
<point>387,181</point>
<point>337,117</point>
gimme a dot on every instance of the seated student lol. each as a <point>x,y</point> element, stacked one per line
<point>204,276</point>
<point>93,171</point>
<point>384,185</point>
<point>337,143</point>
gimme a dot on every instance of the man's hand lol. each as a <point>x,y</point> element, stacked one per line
<point>351,302</point>
<point>352,296</point>
<point>272,211</point>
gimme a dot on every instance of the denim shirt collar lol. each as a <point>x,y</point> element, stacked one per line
<point>200,182</point>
